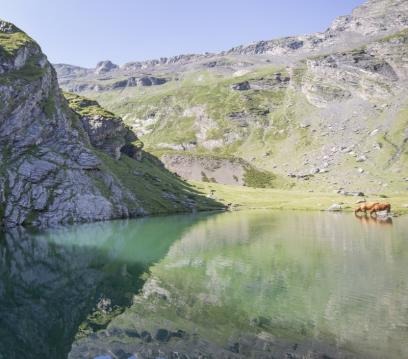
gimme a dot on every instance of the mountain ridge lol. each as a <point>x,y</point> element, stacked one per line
<point>353,23</point>
<point>328,113</point>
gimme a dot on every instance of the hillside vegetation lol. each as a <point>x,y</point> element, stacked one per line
<point>325,111</point>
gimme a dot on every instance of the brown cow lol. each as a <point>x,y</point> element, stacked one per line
<point>364,207</point>
<point>380,207</point>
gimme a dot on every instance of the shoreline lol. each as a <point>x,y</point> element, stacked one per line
<point>243,198</point>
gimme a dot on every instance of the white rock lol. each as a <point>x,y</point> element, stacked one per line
<point>335,207</point>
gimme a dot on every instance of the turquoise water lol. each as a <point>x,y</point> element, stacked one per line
<point>242,284</point>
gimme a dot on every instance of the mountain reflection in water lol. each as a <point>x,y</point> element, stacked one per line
<point>257,284</point>
<point>64,283</point>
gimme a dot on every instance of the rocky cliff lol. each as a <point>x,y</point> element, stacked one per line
<point>60,162</point>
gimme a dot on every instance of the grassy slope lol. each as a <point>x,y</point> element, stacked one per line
<point>274,141</point>
<point>151,183</point>
<point>213,92</point>
<point>251,198</point>
<point>156,189</point>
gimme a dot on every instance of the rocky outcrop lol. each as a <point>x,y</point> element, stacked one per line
<point>106,131</point>
<point>51,166</point>
<point>179,59</point>
<point>105,66</point>
<point>136,81</point>
<point>241,86</point>
<point>372,72</point>
<point>117,85</point>
<point>275,81</point>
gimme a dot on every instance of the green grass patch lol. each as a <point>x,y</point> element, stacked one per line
<point>11,42</point>
<point>267,198</point>
<point>402,35</point>
<point>86,107</point>
<point>152,185</point>
<point>259,179</point>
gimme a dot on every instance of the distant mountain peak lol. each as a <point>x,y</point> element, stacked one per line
<point>105,66</point>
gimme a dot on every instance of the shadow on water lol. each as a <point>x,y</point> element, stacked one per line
<point>65,283</point>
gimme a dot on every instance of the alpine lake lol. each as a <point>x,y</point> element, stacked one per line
<point>244,284</point>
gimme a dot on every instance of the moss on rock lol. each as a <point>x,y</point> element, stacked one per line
<point>12,39</point>
<point>86,107</point>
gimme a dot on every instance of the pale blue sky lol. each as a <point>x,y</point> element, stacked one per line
<point>82,32</point>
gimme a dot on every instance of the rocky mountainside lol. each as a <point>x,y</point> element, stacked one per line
<point>69,161</point>
<point>372,20</point>
<point>322,111</point>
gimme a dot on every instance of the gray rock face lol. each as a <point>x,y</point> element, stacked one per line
<point>106,131</point>
<point>134,81</point>
<point>45,157</point>
<point>108,134</point>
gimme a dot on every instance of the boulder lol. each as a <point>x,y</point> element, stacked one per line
<point>335,207</point>
<point>348,193</point>
<point>241,86</point>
